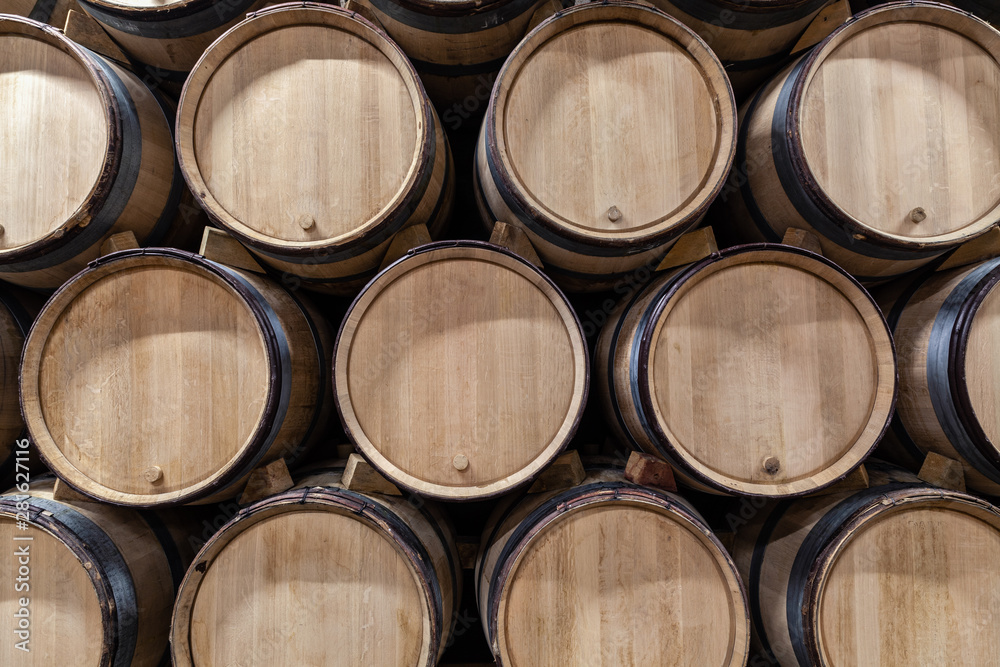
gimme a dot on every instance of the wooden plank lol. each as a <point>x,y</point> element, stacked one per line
<point>943,472</point>
<point>85,31</point>
<point>468,551</point>
<point>267,481</point>
<point>566,471</point>
<point>514,239</point>
<point>829,19</point>
<point>650,471</point>
<point>690,248</point>
<point>63,491</point>
<point>360,476</point>
<point>120,241</point>
<point>857,480</point>
<point>800,238</point>
<point>977,250</point>
<point>404,241</point>
<point>220,247</point>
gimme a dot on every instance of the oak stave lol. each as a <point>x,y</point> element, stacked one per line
<point>324,223</point>
<point>112,158</point>
<point>882,205</point>
<point>584,576</point>
<point>763,370</point>
<point>861,577</point>
<point>593,216</point>
<point>102,579</point>
<point>340,543</point>
<point>481,361</point>
<point>145,354</point>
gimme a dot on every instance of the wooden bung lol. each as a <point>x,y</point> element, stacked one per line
<point>317,185</point>
<point>362,578</point>
<point>605,569</point>
<point>600,205</point>
<point>479,359</point>
<point>816,142</point>
<point>762,370</point>
<point>148,353</point>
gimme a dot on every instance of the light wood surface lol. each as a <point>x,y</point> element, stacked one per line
<point>618,575</point>
<point>146,355</point>
<point>476,355</point>
<point>603,178</point>
<point>317,79</point>
<point>766,371</point>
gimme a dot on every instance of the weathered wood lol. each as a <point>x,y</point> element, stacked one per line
<point>360,476</point>
<point>566,471</point>
<point>800,238</point>
<point>267,481</point>
<point>63,491</point>
<point>975,251</point>
<point>692,247</point>
<point>220,247</point>
<point>857,480</point>
<point>85,31</point>
<point>404,241</point>
<point>944,472</point>
<point>650,471</point>
<point>515,240</point>
<point>120,241</point>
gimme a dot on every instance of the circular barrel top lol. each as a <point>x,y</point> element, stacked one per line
<point>899,123</point>
<point>148,361</point>
<point>57,120</point>
<point>770,371</point>
<point>304,127</point>
<point>612,122</point>
<point>479,359</point>
<point>915,584</point>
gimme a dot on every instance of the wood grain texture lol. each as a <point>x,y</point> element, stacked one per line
<point>475,354</point>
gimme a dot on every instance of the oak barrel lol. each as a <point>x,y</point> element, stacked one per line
<point>159,377</point>
<point>479,360</point>
<point>337,578</point>
<point>898,574</point>
<point>753,38</point>
<point>947,328</point>
<point>609,132</point>
<point>85,152</point>
<point>763,370</point>
<point>94,584</point>
<point>17,311</point>
<point>608,573</point>
<point>334,150</point>
<point>870,142</point>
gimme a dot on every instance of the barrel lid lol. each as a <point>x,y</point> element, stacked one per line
<point>766,370</point>
<point>305,127</point>
<point>895,122</point>
<point>58,133</point>
<point>151,378</point>
<point>479,359</point>
<point>611,123</point>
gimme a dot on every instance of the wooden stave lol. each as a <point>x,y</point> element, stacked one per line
<point>334,268</point>
<point>138,120</point>
<point>891,487</point>
<point>626,417</point>
<point>911,438</point>
<point>525,515</point>
<point>321,486</point>
<point>872,259</point>
<point>143,550</point>
<point>580,262</point>
<point>304,332</point>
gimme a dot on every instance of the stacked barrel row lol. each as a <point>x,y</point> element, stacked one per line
<point>156,377</point>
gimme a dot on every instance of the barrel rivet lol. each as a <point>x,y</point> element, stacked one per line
<point>614,215</point>
<point>771,465</point>
<point>918,215</point>
<point>306,221</point>
<point>153,474</point>
<point>461,462</point>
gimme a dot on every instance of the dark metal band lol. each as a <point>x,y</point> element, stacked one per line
<point>756,563</point>
<point>440,69</point>
<point>739,15</point>
<point>470,22</point>
<point>154,25</point>
<point>42,11</point>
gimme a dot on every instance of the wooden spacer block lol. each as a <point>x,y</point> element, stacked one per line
<point>543,12</point>
<point>566,471</point>
<point>83,29</point>
<point>468,551</point>
<point>801,238</point>
<point>690,248</point>
<point>943,472</point>
<point>977,250</point>
<point>360,476</point>
<point>344,451</point>
<point>728,540</point>
<point>220,247</point>
<point>650,471</point>
<point>63,491</point>
<point>404,241</point>
<point>514,239</point>
<point>856,480</point>
<point>267,481</point>
<point>829,19</point>
<point>120,241</point>
<point>362,11</point>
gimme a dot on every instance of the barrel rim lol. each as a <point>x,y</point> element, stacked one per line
<point>393,215</point>
<point>899,11</point>
<point>673,451</point>
<point>356,506</point>
<point>31,400</point>
<point>70,229</point>
<point>717,82</point>
<point>547,454</point>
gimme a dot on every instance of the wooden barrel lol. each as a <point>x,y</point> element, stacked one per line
<point>86,152</point>
<point>17,311</point>
<point>865,578</point>
<point>984,9</point>
<point>479,359</point>
<point>159,377</point>
<point>338,577</point>
<point>947,327</point>
<point>335,149</point>
<point>608,573</point>
<point>827,146</point>
<point>457,47</point>
<point>53,12</point>
<point>753,38</point>
<point>94,584</point>
<point>628,141</point>
<point>763,370</point>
